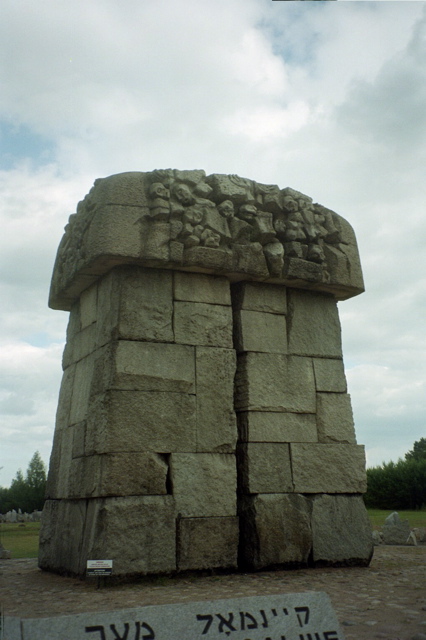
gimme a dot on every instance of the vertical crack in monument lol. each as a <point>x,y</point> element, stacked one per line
<point>203,419</point>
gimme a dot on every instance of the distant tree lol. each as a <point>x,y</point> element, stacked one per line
<point>26,493</point>
<point>399,485</point>
<point>36,483</point>
<point>418,452</point>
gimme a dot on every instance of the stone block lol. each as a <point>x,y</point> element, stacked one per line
<point>204,484</point>
<point>261,332</point>
<point>88,306</point>
<point>329,375</point>
<point>334,418</point>
<point>328,468</point>
<point>127,188</point>
<point>267,426</point>
<point>259,296</point>
<point>216,420</point>
<point>313,325</point>
<point>198,323</point>
<point>197,287</point>
<point>138,533</point>
<point>61,533</point>
<point>152,366</point>
<point>84,342</point>
<point>264,467</point>
<point>60,463</point>
<point>275,530</point>
<point>341,531</point>
<point>146,305</point>
<point>73,328</point>
<point>141,421</point>
<point>136,304</point>
<point>105,239</point>
<point>275,382</point>
<point>118,474</point>
<point>207,543</point>
<point>79,439</point>
<point>81,389</point>
<point>395,530</point>
<point>63,412</point>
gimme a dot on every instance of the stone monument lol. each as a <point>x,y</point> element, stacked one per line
<point>203,420</point>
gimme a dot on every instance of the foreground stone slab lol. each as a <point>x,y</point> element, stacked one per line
<point>299,616</point>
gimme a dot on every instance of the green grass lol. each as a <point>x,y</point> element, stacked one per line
<point>20,538</point>
<point>415,518</point>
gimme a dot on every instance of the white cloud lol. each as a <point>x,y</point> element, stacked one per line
<point>325,97</point>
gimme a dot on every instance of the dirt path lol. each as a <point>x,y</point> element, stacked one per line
<point>386,600</point>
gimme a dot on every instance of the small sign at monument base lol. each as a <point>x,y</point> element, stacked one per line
<point>296,616</point>
<point>99,568</point>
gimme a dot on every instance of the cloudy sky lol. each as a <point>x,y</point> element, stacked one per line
<point>326,97</point>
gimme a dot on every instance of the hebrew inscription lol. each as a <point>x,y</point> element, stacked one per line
<point>301,616</point>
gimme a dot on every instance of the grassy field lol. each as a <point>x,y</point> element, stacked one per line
<point>22,538</point>
<point>415,518</point>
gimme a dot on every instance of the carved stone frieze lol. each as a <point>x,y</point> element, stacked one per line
<point>218,224</point>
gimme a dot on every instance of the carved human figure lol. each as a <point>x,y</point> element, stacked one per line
<point>159,206</point>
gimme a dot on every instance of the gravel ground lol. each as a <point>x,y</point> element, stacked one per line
<point>385,600</point>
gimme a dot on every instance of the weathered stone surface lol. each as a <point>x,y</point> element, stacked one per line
<point>152,366</point>
<point>395,530</point>
<point>88,306</point>
<point>216,420</point>
<point>146,544</point>
<point>60,463</point>
<point>256,296</point>
<point>146,305</point>
<point>61,533</point>
<point>334,418</point>
<point>197,287</point>
<point>118,474</point>
<point>276,530</point>
<point>63,412</point>
<point>329,375</point>
<point>81,389</point>
<point>225,225</point>
<point>190,620</point>
<point>275,382</point>
<point>193,298</point>
<point>204,484</point>
<point>207,543</point>
<point>313,325</point>
<point>267,426</point>
<point>198,323</point>
<point>334,541</point>
<point>136,304</point>
<point>264,467</point>
<point>261,332</point>
<point>141,421</point>
<point>328,468</point>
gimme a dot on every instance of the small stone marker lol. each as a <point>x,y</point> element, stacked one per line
<point>299,616</point>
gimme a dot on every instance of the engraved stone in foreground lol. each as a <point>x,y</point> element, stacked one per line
<point>299,616</point>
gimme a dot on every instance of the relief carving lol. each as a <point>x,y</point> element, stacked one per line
<point>220,223</point>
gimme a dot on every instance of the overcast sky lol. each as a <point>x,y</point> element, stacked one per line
<point>325,97</point>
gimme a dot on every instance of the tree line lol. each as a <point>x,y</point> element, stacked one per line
<point>399,485</point>
<point>26,492</point>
